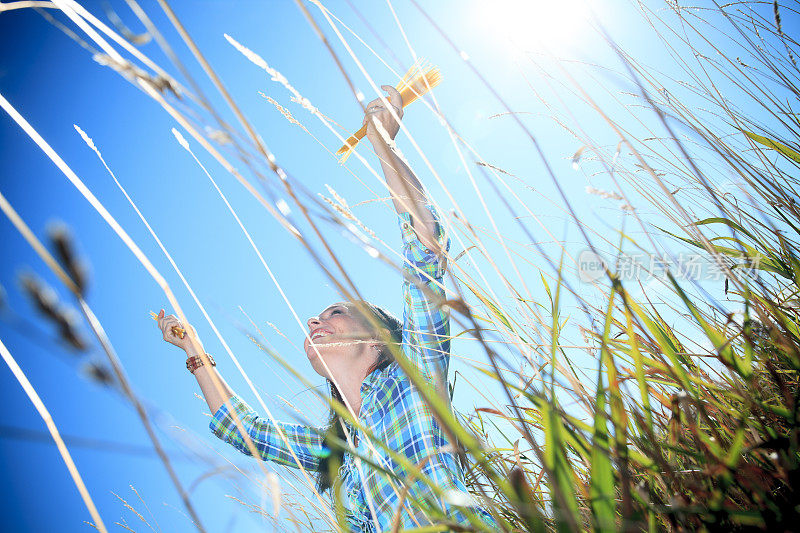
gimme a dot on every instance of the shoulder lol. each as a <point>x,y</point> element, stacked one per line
<point>391,387</point>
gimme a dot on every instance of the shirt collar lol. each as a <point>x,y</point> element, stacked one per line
<point>371,380</point>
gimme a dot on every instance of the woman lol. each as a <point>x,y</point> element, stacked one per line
<point>346,344</point>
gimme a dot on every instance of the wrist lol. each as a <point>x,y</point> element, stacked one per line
<point>191,351</point>
<point>194,363</point>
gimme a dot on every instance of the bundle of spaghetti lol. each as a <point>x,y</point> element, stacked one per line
<point>176,330</point>
<point>419,79</point>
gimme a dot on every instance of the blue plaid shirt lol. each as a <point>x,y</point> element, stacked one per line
<point>391,408</point>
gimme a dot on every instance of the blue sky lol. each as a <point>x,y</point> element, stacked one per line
<point>54,83</point>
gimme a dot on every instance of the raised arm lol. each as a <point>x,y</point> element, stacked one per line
<point>190,343</point>
<point>426,325</point>
<point>407,192</point>
<point>305,442</point>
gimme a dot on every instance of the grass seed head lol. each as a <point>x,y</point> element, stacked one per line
<point>64,246</point>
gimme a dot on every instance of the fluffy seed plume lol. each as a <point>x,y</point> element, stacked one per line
<point>337,197</point>
<point>181,139</point>
<point>64,246</point>
<point>607,195</point>
<point>274,74</point>
<point>285,112</point>
<point>576,158</point>
<point>88,140</point>
<point>46,302</point>
<point>99,373</point>
<point>498,169</point>
<point>779,26</point>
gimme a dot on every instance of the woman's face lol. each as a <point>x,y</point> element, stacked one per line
<point>340,336</point>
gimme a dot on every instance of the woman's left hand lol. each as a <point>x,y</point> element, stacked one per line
<point>378,113</point>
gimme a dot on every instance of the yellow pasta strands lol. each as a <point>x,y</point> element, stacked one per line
<point>419,79</point>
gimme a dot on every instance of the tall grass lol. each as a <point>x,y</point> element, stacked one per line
<point>688,416</point>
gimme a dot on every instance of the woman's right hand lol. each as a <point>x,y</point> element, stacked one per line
<point>182,336</point>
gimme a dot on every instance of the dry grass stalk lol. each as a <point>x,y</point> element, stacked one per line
<point>51,427</point>
<point>263,262</point>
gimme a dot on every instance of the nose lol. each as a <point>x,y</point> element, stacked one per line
<point>313,321</point>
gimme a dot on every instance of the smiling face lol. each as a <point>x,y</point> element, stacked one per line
<point>341,336</point>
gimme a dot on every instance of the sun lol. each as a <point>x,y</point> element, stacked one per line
<point>531,25</point>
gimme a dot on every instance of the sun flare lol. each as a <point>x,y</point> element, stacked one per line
<point>537,24</point>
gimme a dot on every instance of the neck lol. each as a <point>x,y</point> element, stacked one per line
<point>351,375</point>
<point>349,386</point>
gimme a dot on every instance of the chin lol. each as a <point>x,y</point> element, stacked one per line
<point>319,369</point>
<point>316,361</point>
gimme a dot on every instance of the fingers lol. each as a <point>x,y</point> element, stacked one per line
<point>372,108</point>
<point>160,319</point>
<point>171,327</point>
<point>394,98</point>
<point>167,324</point>
<point>178,331</point>
<point>379,113</point>
<point>373,113</point>
<point>163,319</point>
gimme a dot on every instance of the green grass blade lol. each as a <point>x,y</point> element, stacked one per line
<point>562,490</point>
<point>601,488</point>
<point>781,148</point>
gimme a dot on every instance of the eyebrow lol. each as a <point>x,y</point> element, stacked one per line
<point>331,308</point>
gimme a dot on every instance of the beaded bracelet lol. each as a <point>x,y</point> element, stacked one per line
<point>196,361</point>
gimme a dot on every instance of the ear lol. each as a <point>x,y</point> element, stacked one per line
<point>379,343</point>
<point>383,333</point>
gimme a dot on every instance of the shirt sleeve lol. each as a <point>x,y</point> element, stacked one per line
<point>426,325</point>
<point>305,441</point>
